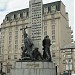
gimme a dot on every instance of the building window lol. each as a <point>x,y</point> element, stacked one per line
<point>45,33</point>
<point>22,36</point>
<point>45,28</point>
<point>0,49</point>
<point>45,17</point>
<point>45,9</point>
<point>2,41</point>
<point>68,50</point>
<point>16,28</point>
<point>22,40</point>
<point>16,37</point>
<point>53,37</point>
<point>45,22</point>
<point>9,41</point>
<point>53,32</point>
<point>68,66</point>
<point>53,8</point>
<point>15,56</point>
<point>16,32</point>
<point>53,54</point>
<point>10,33</point>
<point>9,47</point>
<point>12,17</point>
<point>6,18</point>
<point>16,41</point>
<point>8,70</point>
<point>24,14</point>
<point>53,26</point>
<point>16,46</point>
<point>9,57</point>
<point>10,37</point>
<point>68,56</point>
<point>18,15</point>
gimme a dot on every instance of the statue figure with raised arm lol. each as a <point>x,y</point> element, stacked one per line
<point>27,48</point>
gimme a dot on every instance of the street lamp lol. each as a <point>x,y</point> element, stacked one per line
<point>69,68</point>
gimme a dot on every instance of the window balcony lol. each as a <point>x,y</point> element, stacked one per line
<point>71,36</point>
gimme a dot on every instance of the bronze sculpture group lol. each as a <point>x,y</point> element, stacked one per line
<point>29,54</point>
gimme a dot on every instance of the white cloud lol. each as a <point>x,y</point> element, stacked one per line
<point>7,6</point>
<point>3,4</point>
<point>74,21</point>
<point>17,5</point>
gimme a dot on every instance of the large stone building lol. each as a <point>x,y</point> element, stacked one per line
<point>44,19</point>
<point>35,14</point>
<point>0,44</point>
<point>68,56</point>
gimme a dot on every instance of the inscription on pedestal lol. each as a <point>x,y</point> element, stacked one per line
<point>33,65</point>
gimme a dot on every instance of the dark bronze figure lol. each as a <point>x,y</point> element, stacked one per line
<point>27,48</point>
<point>29,54</point>
<point>36,55</point>
<point>46,47</point>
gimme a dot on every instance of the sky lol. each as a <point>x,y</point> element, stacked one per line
<point>7,6</point>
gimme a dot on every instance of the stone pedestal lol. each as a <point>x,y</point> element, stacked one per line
<point>33,68</point>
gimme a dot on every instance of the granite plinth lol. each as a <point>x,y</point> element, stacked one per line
<point>33,68</point>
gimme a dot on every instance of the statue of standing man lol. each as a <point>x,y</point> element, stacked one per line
<point>46,47</point>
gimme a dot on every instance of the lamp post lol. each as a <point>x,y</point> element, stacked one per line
<point>69,68</point>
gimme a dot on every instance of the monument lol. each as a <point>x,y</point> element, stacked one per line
<point>29,54</point>
<point>35,60</point>
<point>32,62</point>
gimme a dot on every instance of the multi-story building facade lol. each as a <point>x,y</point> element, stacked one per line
<point>44,19</point>
<point>35,11</point>
<point>0,45</point>
<point>68,55</point>
<point>0,49</point>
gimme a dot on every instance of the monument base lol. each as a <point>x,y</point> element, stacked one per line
<point>33,68</point>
